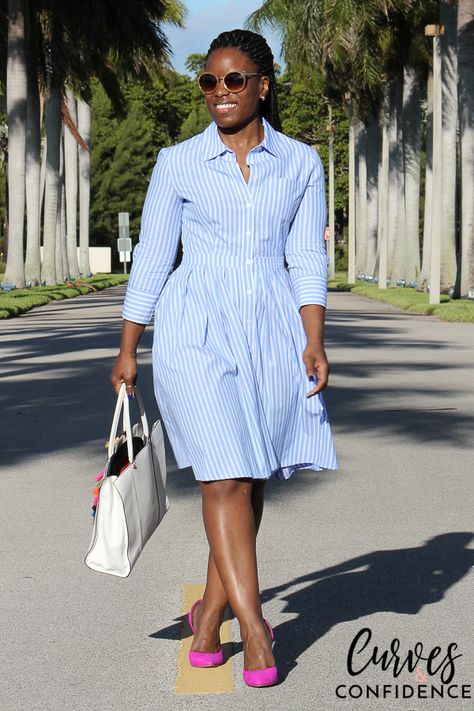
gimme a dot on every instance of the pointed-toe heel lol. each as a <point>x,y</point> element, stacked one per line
<point>262,677</point>
<point>203,659</point>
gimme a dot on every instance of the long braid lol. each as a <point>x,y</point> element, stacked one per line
<point>261,55</point>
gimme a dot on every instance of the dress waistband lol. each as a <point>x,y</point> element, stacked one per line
<point>230,260</point>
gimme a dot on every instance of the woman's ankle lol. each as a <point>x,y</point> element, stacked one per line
<point>213,607</point>
<point>253,627</point>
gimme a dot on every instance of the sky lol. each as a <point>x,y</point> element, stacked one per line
<point>205,20</point>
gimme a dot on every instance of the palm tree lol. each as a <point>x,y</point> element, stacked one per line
<point>53,135</point>
<point>16,110</point>
<point>84,127</point>
<point>395,205</point>
<point>448,41</point>
<point>70,180</point>
<point>383,180</point>
<point>423,280</point>
<point>72,42</point>
<point>373,148</point>
<point>412,119</point>
<point>466,130</point>
<point>360,46</point>
<point>361,199</point>
<point>33,159</point>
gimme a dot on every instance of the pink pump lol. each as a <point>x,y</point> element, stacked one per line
<point>203,659</point>
<point>262,677</point>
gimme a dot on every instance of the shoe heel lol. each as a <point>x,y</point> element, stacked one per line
<point>203,659</point>
<point>262,677</point>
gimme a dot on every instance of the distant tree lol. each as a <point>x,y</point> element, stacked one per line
<point>304,115</point>
<point>124,150</point>
<point>198,117</point>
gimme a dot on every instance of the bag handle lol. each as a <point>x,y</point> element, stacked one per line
<point>123,403</point>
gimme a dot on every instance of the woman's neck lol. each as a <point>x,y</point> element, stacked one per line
<point>245,137</point>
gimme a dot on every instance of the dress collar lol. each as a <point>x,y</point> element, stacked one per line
<point>214,146</point>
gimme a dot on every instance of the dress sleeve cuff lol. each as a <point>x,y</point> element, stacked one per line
<point>310,290</point>
<point>138,306</point>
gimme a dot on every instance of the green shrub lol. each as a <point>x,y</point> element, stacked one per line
<point>14,303</point>
<point>416,302</point>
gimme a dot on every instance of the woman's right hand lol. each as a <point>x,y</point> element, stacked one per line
<point>125,371</point>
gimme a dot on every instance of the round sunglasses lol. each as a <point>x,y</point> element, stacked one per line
<point>234,82</point>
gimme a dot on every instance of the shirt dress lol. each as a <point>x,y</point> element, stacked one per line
<point>228,341</point>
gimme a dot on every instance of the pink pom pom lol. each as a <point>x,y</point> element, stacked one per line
<point>99,476</point>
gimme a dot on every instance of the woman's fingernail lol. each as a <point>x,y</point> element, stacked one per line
<point>130,396</point>
<point>311,377</point>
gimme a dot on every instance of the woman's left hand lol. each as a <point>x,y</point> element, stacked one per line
<point>317,367</point>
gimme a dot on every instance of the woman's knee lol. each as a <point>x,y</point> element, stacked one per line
<point>227,489</point>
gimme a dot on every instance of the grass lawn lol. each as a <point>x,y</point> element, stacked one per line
<point>16,302</point>
<point>408,299</point>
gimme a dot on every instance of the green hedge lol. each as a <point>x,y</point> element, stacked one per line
<point>16,302</point>
<point>410,300</point>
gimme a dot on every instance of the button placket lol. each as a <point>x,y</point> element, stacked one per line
<point>249,264</point>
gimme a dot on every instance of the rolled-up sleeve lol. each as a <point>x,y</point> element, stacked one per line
<point>305,250</point>
<point>155,253</point>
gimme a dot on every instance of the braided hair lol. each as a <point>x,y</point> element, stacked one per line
<point>256,47</point>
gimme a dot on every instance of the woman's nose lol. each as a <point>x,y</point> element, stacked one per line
<point>221,88</point>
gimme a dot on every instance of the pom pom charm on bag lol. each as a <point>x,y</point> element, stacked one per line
<point>100,480</point>
<point>96,491</point>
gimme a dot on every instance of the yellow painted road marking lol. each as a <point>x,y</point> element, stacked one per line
<point>192,680</point>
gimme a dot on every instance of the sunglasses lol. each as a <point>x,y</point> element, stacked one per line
<point>234,82</point>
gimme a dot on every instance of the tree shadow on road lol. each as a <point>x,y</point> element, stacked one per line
<point>55,385</point>
<point>397,581</point>
<point>400,581</point>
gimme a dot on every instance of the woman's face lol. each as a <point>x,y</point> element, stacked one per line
<point>230,110</point>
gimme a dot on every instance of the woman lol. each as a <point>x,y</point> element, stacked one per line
<point>238,354</point>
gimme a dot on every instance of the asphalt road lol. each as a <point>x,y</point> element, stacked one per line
<point>384,543</point>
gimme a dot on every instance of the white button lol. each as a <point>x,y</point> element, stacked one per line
<point>249,204</point>
<point>248,233</point>
<point>256,177</point>
<point>248,321</point>
<point>248,261</point>
<point>249,291</point>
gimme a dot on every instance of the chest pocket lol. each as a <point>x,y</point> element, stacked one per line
<point>280,198</point>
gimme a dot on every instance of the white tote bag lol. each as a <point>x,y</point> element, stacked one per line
<point>131,504</point>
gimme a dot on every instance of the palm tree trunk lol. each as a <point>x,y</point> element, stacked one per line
<point>70,175</point>
<point>399,264</point>
<point>53,134</point>
<point>411,154</point>
<point>33,162</point>
<point>383,197</point>
<point>351,276</point>
<point>44,150</point>
<point>466,129</point>
<point>16,110</point>
<point>422,282</point>
<point>394,221</point>
<point>435,261</point>
<point>331,206</point>
<point>448,17</point>
<point>62,269</point>
<point>84,127</point>
<point>372,162</point>
<point>361,231</point>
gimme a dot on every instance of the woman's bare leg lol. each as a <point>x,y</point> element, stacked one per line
<point>207,617</point>
<point>231,527</point>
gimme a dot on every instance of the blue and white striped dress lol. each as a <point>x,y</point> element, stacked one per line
<point>229,377</point>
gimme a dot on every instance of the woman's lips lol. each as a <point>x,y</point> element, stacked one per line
<point>225,108</point>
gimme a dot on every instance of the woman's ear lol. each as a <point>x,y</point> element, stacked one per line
<point>264,87</point>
